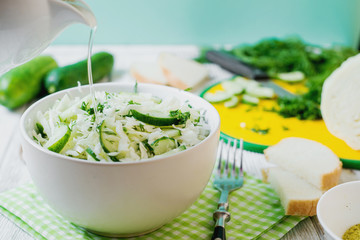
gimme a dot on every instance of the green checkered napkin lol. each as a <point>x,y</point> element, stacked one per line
<point>255,209</point>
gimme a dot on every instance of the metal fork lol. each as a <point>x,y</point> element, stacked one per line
<point>227,179</point>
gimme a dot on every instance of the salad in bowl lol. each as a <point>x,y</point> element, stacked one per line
<point>119,127</point>
<point>126,165</point>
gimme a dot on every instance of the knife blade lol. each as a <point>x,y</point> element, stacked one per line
<point>235,65</point>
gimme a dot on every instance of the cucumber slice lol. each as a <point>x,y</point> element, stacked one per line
<point>217,97</point>
<point>248,99</point>
<point>233,87</point>
<point>293,77</point>
<point>246,82</point>
<point>172,132</point>
<point>163,145</point>
<point>92,155</point>
<point>109,140</point>
<point>182,148</point>
<point>58,141</point>
<point>155,118</point>
<point>260,92</point>
<point>179,149</point>
<point>233,102</point>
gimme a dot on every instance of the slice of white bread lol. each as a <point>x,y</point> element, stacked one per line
<point>297,196</point>
<point>340,102</point>
<point>148,72</point>
<point>182,73</point>
<point>310,160</point>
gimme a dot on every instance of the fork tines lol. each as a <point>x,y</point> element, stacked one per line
<point>230,154</point>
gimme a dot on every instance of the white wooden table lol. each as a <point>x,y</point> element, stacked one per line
<point>13,171</point>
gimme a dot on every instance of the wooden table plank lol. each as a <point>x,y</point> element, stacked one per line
<point>13,171</point>
<point>9,121</point>
<point>9,230</point>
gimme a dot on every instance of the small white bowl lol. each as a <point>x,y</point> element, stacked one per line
<point>127,198</point>
<point>339,209</point>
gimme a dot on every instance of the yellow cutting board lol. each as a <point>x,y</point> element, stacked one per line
<point>260,128</point>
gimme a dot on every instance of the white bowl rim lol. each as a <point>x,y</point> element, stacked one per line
<point>141,162</point>
<point>321,200</point>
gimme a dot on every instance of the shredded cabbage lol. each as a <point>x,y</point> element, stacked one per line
<point>130,139</point>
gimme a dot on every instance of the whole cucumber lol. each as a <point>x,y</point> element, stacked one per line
<point>69,76</point>
<point>23,83</point>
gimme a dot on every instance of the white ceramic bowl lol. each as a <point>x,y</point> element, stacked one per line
<point>121,199</point>
<point>339,209</point>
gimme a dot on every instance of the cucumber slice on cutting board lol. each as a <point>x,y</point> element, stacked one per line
<point>217,97</point>
<point>59,139</point>
<point>291,77</point>
<point>248,90</point>
<point>163,145</point>
<point>260,92</point>
<point>248,99</point>
<point>233,87</point>
<point>233,102</point>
